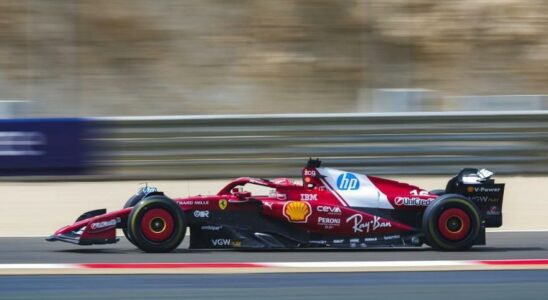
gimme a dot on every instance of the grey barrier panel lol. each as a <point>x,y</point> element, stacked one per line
<point>195,147</point>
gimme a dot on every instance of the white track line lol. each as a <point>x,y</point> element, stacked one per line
<point>36,266</point>
<point>296,265</point>
<point>46,235</point>
<point>494,230</point>
<point>369,264</point>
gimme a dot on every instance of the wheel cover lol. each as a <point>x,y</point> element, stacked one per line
<point>157,225</point>
<point>454,224</point>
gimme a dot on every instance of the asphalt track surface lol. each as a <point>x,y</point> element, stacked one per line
<point>515,284</point>
<point>468,285</point>
<point>525,245</point>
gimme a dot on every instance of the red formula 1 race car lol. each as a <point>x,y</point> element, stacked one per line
<point>331,208</point>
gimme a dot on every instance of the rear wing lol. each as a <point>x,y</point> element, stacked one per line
<point>484,192</point>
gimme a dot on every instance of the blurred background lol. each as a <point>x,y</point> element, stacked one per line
<point>104,57</point>
<point>215,57</point>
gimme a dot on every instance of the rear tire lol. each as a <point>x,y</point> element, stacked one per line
<point>156,224</point>
<point>451,223</point>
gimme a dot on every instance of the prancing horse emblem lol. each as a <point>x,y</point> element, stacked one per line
<point>223,203</point>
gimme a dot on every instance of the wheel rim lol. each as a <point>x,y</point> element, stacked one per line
<point>454,224</point>
<point>157,225</point>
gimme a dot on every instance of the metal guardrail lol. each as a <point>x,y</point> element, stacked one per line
<point>279,145</point>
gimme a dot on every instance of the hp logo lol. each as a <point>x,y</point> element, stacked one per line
<point>348,181</point>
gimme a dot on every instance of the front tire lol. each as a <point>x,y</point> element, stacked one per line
<point>156,224</point>
<point>451,223</point>
<point>131,202</point>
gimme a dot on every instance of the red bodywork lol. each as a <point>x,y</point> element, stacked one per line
<point>328,202</point>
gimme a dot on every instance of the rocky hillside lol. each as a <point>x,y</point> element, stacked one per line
<point>120,57</point>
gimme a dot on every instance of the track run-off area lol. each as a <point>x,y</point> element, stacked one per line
<point>511,266</point>
<point>33,255</point>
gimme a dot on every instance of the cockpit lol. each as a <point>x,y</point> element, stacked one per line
<point>247,186</point>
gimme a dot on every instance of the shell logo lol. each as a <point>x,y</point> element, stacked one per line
<point>297,211</point>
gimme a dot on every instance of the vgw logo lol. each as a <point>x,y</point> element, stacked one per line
<point>348,181</point>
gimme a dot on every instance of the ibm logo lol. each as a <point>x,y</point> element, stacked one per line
<point>348,181</point>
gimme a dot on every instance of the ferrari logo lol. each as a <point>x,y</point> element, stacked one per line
<point>223,203</point>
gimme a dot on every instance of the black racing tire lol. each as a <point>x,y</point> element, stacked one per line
<point>438,192</point>
<point>130,203</point>
<point>156,224</point>
<point>451,223</point>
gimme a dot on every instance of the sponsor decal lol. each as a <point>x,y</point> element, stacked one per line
<point>226,242</point>
<point>309,197</point>
<point>493,211</point>
<point>482,189</point>
<point>297,212</point>
<point>201,214</point>
<point>221,242</point>
<point>318,242</point>
<point>329,221</point>
<point>332,210</point>
<point>419,193</point>
<point>391,237</point>
<point>223,203</point>
<point>338,241</point>
<point>369,226</point>
<point>483,199</point>
<point>310,173</point>
<point>412,201</point>
<point>348,182</point>
<point>192,202</point>
<point>211,227</point>
<point>354,240</point>
<point>103,224</point>
<point>470,189</point>
<point>22,143</point>
<point>268,204</point>
<point>370,239</point>
<point>281,196</point>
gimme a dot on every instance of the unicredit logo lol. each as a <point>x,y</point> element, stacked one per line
<point>348,181</point>
<point>399,201</point>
